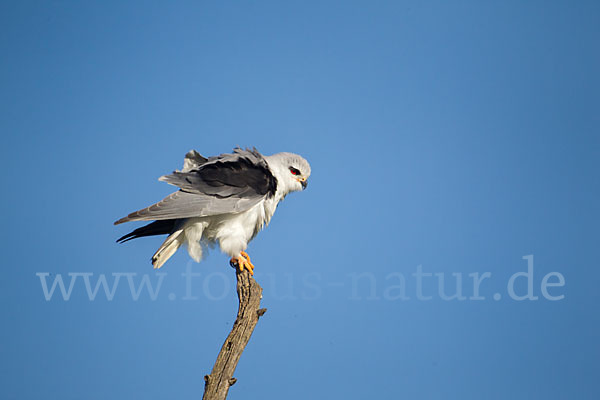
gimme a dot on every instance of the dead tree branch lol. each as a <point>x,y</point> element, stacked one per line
<point>221,377</point>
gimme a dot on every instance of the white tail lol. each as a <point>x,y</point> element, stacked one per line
<point>167,249</point>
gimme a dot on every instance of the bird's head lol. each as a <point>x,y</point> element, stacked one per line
<point>291,170</point>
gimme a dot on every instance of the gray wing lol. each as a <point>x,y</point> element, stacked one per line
<point>186,205</point>
<point>229,183</point>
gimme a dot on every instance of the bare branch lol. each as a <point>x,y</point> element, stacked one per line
<point>221,378</point>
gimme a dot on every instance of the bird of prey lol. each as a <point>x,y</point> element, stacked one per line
<point>224,200</point>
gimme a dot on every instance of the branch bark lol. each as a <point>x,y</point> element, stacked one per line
<point>221,378</point>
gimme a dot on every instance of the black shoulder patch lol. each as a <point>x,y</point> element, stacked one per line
<point>243,174</point>
<point>239,173</point>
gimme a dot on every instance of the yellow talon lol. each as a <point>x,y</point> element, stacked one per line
<point>243,262</point>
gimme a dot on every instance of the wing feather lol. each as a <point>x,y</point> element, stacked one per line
<point>229,183</point>
<point>186,205</point>
<point>242,173</point>
<point>192,160</point>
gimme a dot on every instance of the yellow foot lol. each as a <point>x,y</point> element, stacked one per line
<point>242,262</point>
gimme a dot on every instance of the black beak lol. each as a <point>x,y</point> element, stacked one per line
<point>304,184</point>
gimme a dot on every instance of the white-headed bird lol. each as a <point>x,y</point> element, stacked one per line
<point>224,200</point>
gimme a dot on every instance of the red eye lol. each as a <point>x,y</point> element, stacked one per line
<point>294,171</point>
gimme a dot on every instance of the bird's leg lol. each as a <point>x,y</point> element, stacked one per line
<point>242,261</point>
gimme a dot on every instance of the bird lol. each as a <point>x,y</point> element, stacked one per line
<point>222,200</point>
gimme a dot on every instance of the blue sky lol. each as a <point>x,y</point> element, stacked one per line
<point>455,136</point>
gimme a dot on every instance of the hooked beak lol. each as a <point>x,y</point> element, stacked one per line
<point>303,182</point>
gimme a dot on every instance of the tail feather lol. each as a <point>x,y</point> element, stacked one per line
<point>168,248</point>
<point>161,227</point>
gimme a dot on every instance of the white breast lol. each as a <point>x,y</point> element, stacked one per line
<point>232,232</point>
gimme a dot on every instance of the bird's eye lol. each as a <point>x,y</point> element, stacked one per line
<point>294,171</point>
